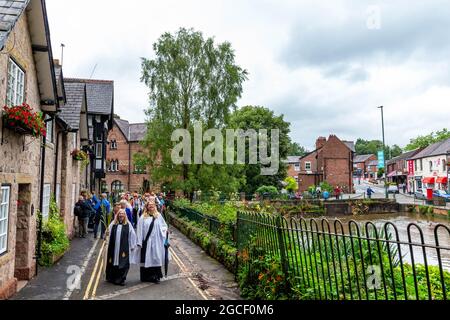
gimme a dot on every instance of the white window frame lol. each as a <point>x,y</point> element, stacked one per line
<point>16,84</point>
<point>99,151</point>
<point>75,140</point>
<point>46,201</point>
<point>297,167</point>
<point>58,195</point>
<point>49,126</point>
<point>4,217</point>
<point>308,164</point>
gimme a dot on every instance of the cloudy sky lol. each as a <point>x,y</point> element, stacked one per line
<point>326,68</point>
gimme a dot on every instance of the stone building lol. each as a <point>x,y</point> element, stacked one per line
<point>331,162</point>
<point>27,74</point>
<point>124,142</point>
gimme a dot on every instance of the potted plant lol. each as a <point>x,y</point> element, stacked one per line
<point>24,120</point>
<point>80,155</point>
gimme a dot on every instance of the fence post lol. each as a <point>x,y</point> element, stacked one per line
<point>282,247</point>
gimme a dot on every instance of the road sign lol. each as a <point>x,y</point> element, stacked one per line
<point>380,159</point>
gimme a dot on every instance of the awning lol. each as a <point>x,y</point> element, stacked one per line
<point>392,174</point>
<point>429,180</point>
<point>442,180</point>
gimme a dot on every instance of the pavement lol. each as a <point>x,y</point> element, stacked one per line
<point>79,275</point>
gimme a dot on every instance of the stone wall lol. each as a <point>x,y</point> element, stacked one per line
<point>19,164</point>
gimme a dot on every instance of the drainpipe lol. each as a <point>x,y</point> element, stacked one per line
<point>55,178</point>
<point>129,166</point>
<point>41,196</point>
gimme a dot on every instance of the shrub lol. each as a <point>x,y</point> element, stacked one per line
<point>271,191</point>
<point>54,239</point>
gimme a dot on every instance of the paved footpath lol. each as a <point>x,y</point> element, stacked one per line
<point>192,275</point>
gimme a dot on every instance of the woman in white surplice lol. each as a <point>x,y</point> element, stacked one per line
<point>121,247</point>
<point>151,236</point>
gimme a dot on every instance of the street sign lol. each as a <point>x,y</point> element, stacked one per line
<point>380,159</point>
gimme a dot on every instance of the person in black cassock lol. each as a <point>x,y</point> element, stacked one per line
<point>122,242</point>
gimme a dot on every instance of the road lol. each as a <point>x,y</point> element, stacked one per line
<point>192,276</point>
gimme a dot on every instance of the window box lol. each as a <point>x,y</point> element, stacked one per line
<point>23,120</point>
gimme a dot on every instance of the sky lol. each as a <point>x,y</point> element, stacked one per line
<point>325,67</point>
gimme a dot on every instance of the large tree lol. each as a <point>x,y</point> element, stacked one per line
<point>191,79</point>
<point>257,118</point>
<point>373,146</point>
<point>295,149</point>
<point>425,141</point>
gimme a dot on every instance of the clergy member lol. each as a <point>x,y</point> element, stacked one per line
<point>122,242</point>
<point>151,235</point>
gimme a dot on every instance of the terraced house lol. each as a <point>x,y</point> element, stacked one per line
<point>27,75</point>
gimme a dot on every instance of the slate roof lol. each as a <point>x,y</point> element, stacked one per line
<point>100,95</point>
<point>133,132</point>
<point>70,113</point>
<point>10,11</point>
<point>373,163</point>
<point>292,159</point>
<point>403,156</point>
<point>350,145</point>
<point>436,149</point>
<point>362,158</point>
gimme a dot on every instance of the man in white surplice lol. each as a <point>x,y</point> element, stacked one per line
<point>121,247</point>
<point>151,253</point>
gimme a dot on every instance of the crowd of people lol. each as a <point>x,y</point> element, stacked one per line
<point>137,233</point>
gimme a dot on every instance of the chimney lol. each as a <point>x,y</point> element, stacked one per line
<point>320,142</point>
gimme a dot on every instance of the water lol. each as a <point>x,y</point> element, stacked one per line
<point>402,221</point>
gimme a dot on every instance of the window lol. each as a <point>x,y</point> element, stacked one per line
<point>421,164</point>
<point>114,166</point>
<point>75,140</point>
<point>46,202</point>
<point>297,167</point>
<point>415,165</point>
<point>49,129</point>
<point>296,179</point>
<point>113,145</point>
<point>99,150</point>
<point>139,169</point>
<point>58,194</point>
<point>308,166</point>
<point>16,85</point>
<point>117,187</point>
<point>74,194</point>
<point>90,121</point>
<point>4,218</point>
<point>444,165</point>
<point>431,166</point>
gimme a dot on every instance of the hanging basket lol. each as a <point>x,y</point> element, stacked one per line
<point>23,120</point>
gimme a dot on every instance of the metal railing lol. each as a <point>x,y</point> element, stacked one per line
<point>224,231</point>
<point>337,261</point>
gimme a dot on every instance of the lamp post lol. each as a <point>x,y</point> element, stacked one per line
<point>384,150</point>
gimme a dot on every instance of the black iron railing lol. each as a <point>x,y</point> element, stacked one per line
<point>337,261</point>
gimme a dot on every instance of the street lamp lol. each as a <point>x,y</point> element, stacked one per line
<point>384,156</point>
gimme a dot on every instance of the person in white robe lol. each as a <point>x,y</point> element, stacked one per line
<point>121,249</point>
<point>151,236</point>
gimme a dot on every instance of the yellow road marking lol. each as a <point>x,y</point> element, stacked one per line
<point>184,269</point>
<point>88,289</point>
<point>100,271</point>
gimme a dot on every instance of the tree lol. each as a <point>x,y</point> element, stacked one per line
<point>429,139</point>
<point>191,79</point>
<point>373,146</point>
<point>292,185</point>
<point>296,149</point>
<point>257,118</point>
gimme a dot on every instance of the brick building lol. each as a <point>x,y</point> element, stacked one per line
<point>332,161</point>
<point>27,74</point>
<point>293,166</point>
<point>124,142</point>
<point>361,164</point>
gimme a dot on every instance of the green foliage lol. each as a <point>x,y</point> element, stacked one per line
<point>373,146</point>
<point>292,185</point>
<point>426,140</point>
<point>191,79</point>
<point>325,186</point>
<point>54,239</point>
<point>380,173</point>
<point>257,118</point>
<point>270,191</point>
<point>295,149</point>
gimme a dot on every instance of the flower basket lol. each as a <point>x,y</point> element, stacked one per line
<point>24,121</point>
<point>79,155</point>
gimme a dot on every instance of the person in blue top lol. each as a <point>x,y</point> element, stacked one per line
<point>101,205</point>
<point>370,192</point>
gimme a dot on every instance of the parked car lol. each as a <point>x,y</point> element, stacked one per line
<point>393,189</point>
<point>419,195</point>
<point>442,194</point>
